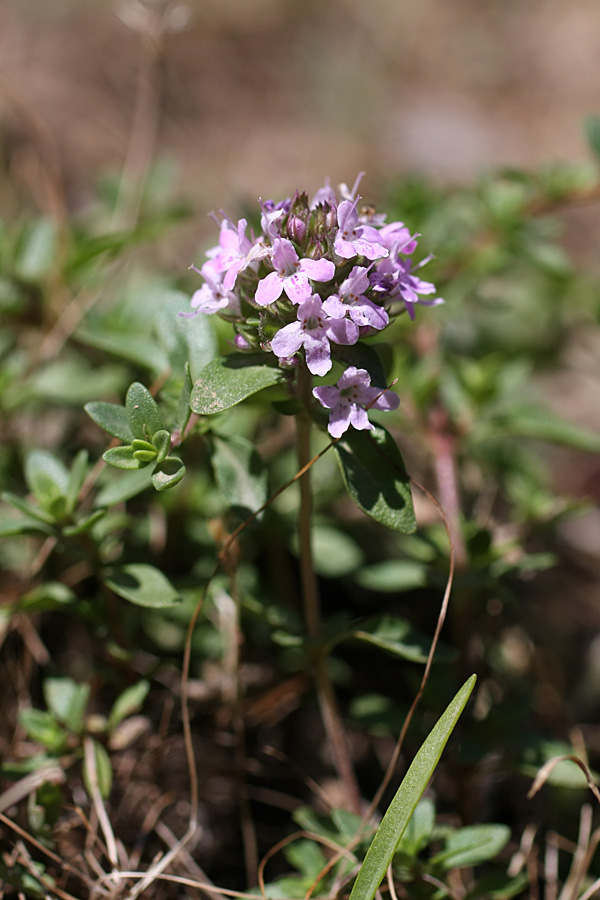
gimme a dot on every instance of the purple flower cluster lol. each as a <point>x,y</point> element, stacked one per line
<point>321,272</point>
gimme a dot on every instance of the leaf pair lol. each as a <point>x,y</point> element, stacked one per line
<point>139,425</point>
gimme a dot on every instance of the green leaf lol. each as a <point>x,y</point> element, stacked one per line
<point>84,523</point>
<point>335,553</point>
<point>307,857</point>
<point>472,845</point>
<point>187,341</point>
<point>112,418</point>
<point>48,596</point>
<point>363,356</point>
<point>124,486</point>
<point>103,771</point>
<point>498,886</point>
<point>592,132</point>
<point>20,527</point>
<point>168,473</point>
<point>27,508</point>
<point>143,413</point>
<point>128,702</point>
<point>397,816</point>
<point>121,458</point>
<point>375,477</point>
<point>240,474</point>
<point>392,575</point>
<point>162,442</point>
<point>143,351</point>
<point>42,727</point>
<point>38,251</point>
<point>48,480</point>
<point>183,404</point>
<point>143,585</point>
<point>67,700</point>
<point>542,426</point>
<point>393,634</point>
<point>230,379</point>
<point>76,479</point>
<point>419,829</point>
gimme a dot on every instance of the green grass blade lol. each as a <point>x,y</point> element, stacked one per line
<point>380,853</point>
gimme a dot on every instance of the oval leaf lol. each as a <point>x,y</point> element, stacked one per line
<point>230,379</point>
<point>472,845</point>
<point>143,413</point>
<point>185,340</point>
<point>112,418</point>
<point>376,479</point>
<point>240,474</point>
<point>169,473</point>
<point>121,458</point>
<point>143,585</point>
<point>47,479</point>
<point>380,853</point>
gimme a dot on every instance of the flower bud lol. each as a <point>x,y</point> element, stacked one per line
<point>296,229</point>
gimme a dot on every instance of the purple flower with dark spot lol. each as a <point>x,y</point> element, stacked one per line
<point>313,330</point>
<point>350,299</point>
<point>350,399</point>
<point>291,275</point>
<point>353,239</point>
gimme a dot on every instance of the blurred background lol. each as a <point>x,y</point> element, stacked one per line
<point>254,97</point>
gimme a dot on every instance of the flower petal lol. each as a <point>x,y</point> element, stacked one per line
<point>269,289</point>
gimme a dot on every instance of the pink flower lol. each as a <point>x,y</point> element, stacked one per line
<point>350,399</point>
<point>313,330</point>
<point>353,239</point>
<point>291,275</point>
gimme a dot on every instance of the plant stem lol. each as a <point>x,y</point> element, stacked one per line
<point>312,606</point>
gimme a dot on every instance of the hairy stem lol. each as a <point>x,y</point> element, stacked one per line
<point>312,607</point>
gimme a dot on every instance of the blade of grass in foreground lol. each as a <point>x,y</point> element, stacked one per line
<point>380,853</point>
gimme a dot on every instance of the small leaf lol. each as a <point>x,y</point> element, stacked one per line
<point>102,774</point>
<point>392,575</point>
<point>136,348</point>
<point>542,426</point>
<point>230,379</point>
<point>48,480</point>
<point>162,442</point>
<point>168,473</point>
<point>38,252</point>
<point>143,413</point>
<point>187,341</point>
<point>128,702</point>
<point>472,845</point>
<point>84,524</point>
<point>240,474</point>
<point>124,486</point>
<point>419,829</point>
<point>395,820</point>
<point>121,458</point>
<point>112,418</point>
<point>183,404</point>
<point>143,585</point>
<point>76,479</point>
<point>67,700</point>
<point>20,527</point>
<point>363,356</point>
<point>376,479</point>
<point>42,727</point>
<point>48,596</point>
<point>393,634</point>
<point>28,508</point>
